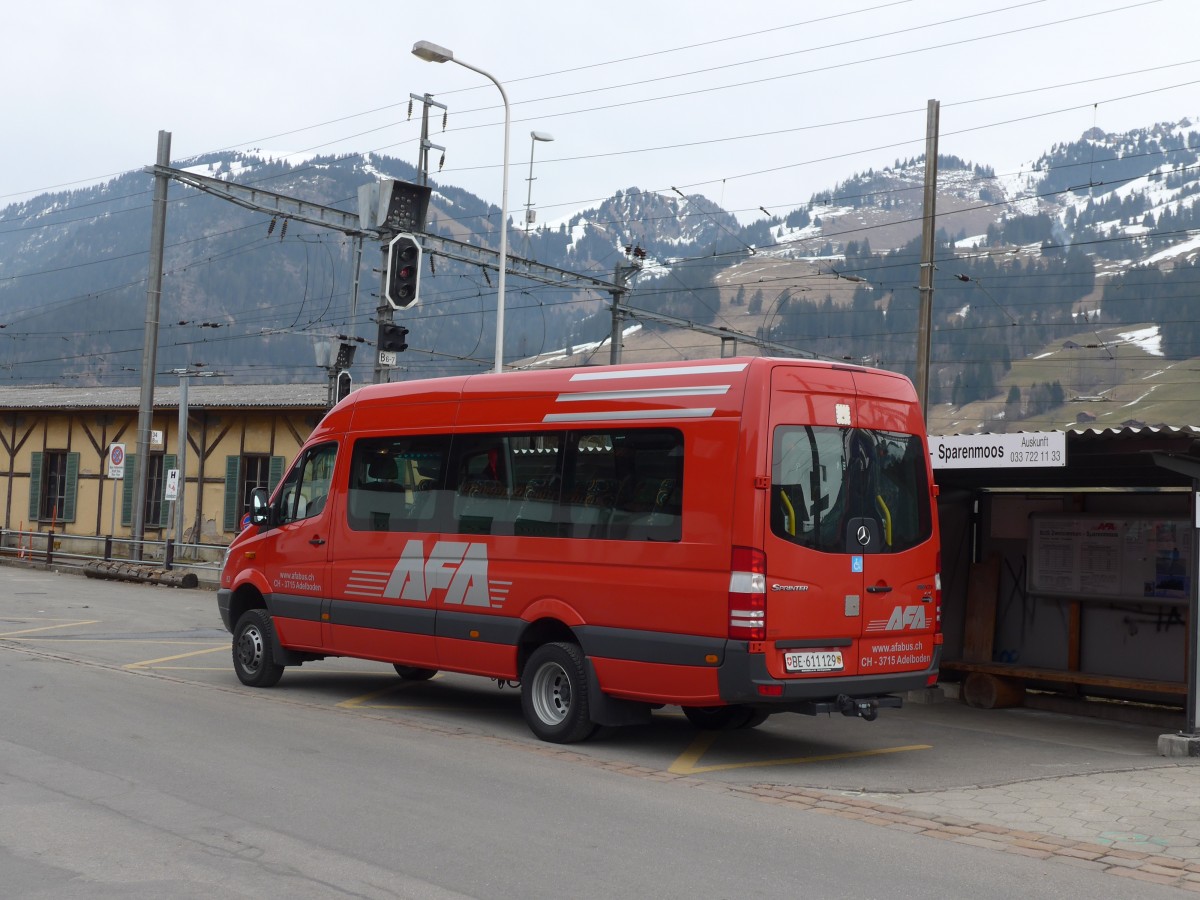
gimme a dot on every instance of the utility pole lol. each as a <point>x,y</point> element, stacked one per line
<point>185,375</point>
<point>423,161</point>
<point>383,316</point>
<point>621,275</point>
<point>158,232</point>
<point>925,311</point>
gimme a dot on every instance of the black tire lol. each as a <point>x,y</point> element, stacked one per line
<point>722,718</point>
<point>414,673</point>
<point>253,656</point>
<point>554,694</point>
<point>757,718</point>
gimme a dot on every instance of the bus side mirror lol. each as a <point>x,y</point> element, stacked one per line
<point>260,510</point>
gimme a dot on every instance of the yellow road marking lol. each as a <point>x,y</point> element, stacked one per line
<point>686,764</point>
<point>364,700</point>
<point>145,664</point>
<point>74,640</point>
<point>48,628</point>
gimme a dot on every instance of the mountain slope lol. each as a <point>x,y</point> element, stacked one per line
<point>1101,228</point>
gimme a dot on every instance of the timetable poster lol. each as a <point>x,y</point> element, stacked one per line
<point>1109,557</point>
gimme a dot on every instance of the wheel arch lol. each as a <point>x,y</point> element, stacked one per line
<point>546,630</point>
<point>245,596</point>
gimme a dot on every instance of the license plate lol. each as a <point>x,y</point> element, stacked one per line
<point>813,661</point>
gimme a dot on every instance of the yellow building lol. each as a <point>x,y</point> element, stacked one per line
<point>55,447</point>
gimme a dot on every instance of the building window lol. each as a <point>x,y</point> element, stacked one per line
<point>156,509</point>
<point>52,482</point>
<point>242,475</point>
<point>154,490</point>
<point>256,473</point>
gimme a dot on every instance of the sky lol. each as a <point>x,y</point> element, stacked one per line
<point>758,107</point>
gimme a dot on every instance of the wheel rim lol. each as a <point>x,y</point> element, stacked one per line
<point>250,649</point>
<point>551,694</point>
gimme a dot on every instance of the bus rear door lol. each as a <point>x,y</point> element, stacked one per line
<point>814,587</point>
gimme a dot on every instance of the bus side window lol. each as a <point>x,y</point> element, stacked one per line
<point>395,483</point>
<point>306,486</point>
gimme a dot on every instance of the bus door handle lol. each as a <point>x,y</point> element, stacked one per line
<point>317,542</point>
<point>879,589</point>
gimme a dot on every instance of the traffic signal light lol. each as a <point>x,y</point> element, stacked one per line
<point>403,275</point>
<point>344,383</point>
<point>392,337</point>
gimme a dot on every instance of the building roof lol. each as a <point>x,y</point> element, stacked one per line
<point>207,396</point>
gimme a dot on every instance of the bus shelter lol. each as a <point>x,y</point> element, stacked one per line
<point>1069,565</point>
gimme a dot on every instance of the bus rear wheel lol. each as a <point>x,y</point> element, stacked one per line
<point>253,658</point>
<point>414,673</point>
<point>554,696</point>
<point>725,718</point>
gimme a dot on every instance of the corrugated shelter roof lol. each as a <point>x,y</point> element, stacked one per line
<point>1119,456</point>
<point>206,396</point>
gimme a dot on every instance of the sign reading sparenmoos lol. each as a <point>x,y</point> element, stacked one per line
<point>998,451</point>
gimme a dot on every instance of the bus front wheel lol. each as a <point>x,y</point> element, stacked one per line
<point>554,694</point>
<point>253,658</point>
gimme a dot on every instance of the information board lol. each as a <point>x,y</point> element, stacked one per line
<point>1022,450</point>
<point>1110,558</point>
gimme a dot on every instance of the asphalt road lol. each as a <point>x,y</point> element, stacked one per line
<point>133,764</point>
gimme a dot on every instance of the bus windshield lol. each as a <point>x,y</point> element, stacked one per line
<point>849,490</point>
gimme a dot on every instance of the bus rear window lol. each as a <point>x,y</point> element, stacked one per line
<point>825,480</point>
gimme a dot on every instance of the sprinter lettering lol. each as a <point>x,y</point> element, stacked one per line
<point>460,568</point>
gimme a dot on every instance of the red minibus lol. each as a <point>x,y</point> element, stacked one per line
<point>737,537</point>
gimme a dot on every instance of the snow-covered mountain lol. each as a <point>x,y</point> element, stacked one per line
<point>1101,231</point>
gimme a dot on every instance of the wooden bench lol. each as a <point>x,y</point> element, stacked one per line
<point>995,685</point>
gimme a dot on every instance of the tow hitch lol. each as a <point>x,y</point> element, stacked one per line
<point>868,709</point>
<point>865,708</point>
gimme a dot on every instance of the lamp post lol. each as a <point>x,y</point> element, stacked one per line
<point>184,375</point>
<point>431,52</point>
<point>534,137</point>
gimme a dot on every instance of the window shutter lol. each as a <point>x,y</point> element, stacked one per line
<point>276,473</point>
<point>35,488</point>
<point>127,487</point>
<point>233,502</point>
<point>68,510</point>
<point>164,509</point>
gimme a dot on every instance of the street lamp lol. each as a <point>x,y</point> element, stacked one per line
<point>433,53</point>
<point>184,374</point>
<point>534,137</point>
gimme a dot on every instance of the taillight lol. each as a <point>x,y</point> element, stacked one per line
<point>748,595</point>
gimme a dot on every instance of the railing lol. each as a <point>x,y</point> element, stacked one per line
<point>76,551</point>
